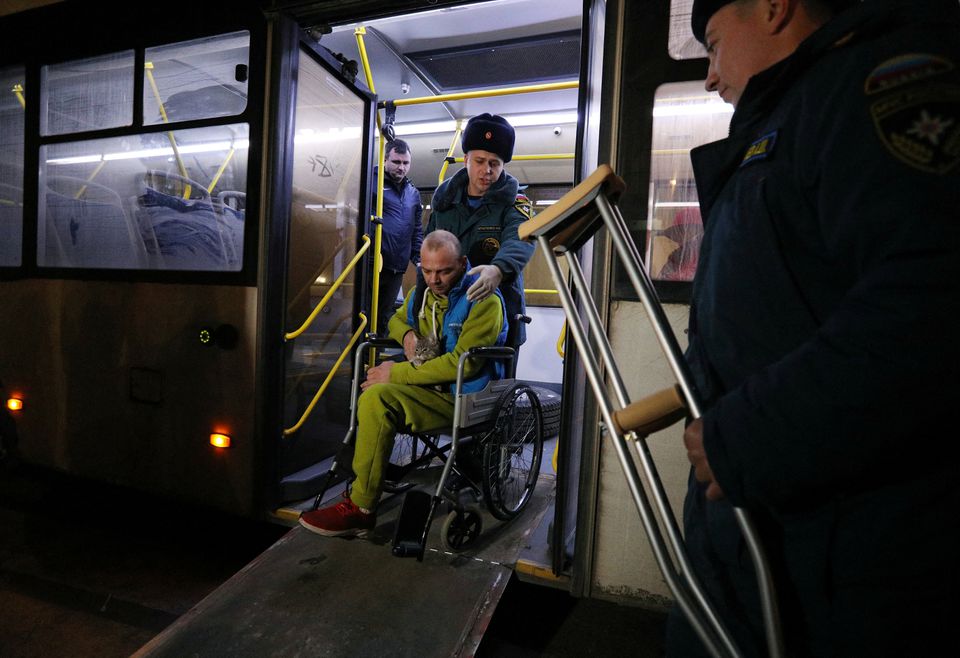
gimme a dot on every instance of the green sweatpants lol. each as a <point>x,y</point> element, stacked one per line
<point>382,411</point>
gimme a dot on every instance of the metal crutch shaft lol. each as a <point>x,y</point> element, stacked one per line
<point>663,508</point>
<point>644,287</point>
<point>712,634</point>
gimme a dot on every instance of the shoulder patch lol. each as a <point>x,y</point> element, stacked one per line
<point>921,126</point>
<point>905,69</point>
<point>524,205</point>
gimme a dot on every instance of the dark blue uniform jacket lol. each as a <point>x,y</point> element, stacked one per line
<point>488,234</point>
<point>823,328</point>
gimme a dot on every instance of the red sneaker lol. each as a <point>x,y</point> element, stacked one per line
<point>341,520</point>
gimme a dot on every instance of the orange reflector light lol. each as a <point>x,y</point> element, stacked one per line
<point>220,440</point>
<point>14,404</point>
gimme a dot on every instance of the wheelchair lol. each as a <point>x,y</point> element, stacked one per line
<point>492,452</point>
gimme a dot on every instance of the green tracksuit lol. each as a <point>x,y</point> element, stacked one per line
<point>409,401</point>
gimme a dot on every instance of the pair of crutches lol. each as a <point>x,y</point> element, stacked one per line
<point>560,231</point>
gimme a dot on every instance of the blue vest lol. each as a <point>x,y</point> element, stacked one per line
<point>458,309</point>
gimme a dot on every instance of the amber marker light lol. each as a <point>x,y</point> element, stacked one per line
<point>14,404</point>
<point>220,440</point>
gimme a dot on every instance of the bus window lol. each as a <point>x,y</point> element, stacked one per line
<point>681,43</point>
<point>134,202</point>
<point>12,105</point>
<point>87,94</point>
<point>155,199</point>
<point>684,116</point>
<point>196,79</point>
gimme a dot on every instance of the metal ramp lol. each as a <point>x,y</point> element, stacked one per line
<point>309,595</point>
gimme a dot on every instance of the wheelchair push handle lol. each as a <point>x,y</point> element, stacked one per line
<point>651,414</point>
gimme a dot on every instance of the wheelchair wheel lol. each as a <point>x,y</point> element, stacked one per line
<point>512,453</point>
<point>460,530</point>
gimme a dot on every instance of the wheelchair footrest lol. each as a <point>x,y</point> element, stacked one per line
<point>410,537</point>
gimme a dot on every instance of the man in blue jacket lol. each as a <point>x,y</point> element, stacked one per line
<point>822,327</point>
<point>402,230</point>
<point>482,206</point>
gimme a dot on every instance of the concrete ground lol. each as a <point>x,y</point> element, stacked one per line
<point>93,570</point>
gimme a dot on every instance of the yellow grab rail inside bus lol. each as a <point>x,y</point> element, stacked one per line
<point>148,68</point>
<point>333,289</point>
<point>531,156</point>
<point>453,146</point>
<point>223,167</point>
<point>18,92</point>
<point>83,188</point>
<point>326,382</point>
<point>486,93</point>
<point>378,226</point>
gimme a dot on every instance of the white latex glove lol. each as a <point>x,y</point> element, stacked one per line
<point>488,278</point>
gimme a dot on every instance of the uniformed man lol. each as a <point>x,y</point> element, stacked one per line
<point>822,323</point>
<point>482,206</point>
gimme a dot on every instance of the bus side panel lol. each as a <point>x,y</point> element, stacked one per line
<point>118,385</point>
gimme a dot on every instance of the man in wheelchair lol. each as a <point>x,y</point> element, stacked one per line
<point>413,395</point>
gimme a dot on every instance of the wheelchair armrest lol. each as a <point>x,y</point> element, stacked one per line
<point>376,341</point>
<point>481,353</point>
<point>491,352</point>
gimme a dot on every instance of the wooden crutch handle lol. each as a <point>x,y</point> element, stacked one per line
<point>652,413</point>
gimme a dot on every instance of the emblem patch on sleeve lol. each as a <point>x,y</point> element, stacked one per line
<point>523,205</point>
<point>921,126</point>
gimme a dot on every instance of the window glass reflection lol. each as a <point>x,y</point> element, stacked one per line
<point>12,106</point>
<point>681,43</point>
<point>162,201</point>
<point>87,94</point>
<point>196,79</point>
<point>684,116</point>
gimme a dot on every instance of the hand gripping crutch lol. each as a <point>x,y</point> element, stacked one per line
<point>560,231</point>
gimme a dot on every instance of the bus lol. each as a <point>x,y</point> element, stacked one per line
<point>186,197</point>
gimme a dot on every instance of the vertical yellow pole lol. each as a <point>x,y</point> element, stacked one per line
<point>378,227</point>
<point>18,92</point>
<point>148,66</point>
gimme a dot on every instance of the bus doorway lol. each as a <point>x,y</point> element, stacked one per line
<point>432,70</point>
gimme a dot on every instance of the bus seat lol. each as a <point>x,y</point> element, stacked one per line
<point>181,233</point>
<point>86,226</point>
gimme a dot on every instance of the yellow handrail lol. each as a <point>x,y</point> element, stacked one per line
<point>326,382</point>
<point>358,33</point>
<point>378,227</point>
<point>539,291</point>
<point>223,167</point>
<point>313,279</point>
<point>333,288</point>
<point>534,156</point>
<point>562,339</point>
<point>83,188</point>
<point>453,146</point>
<point>148,67</point>
<point>18,92</point>
<point>503,91</point>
